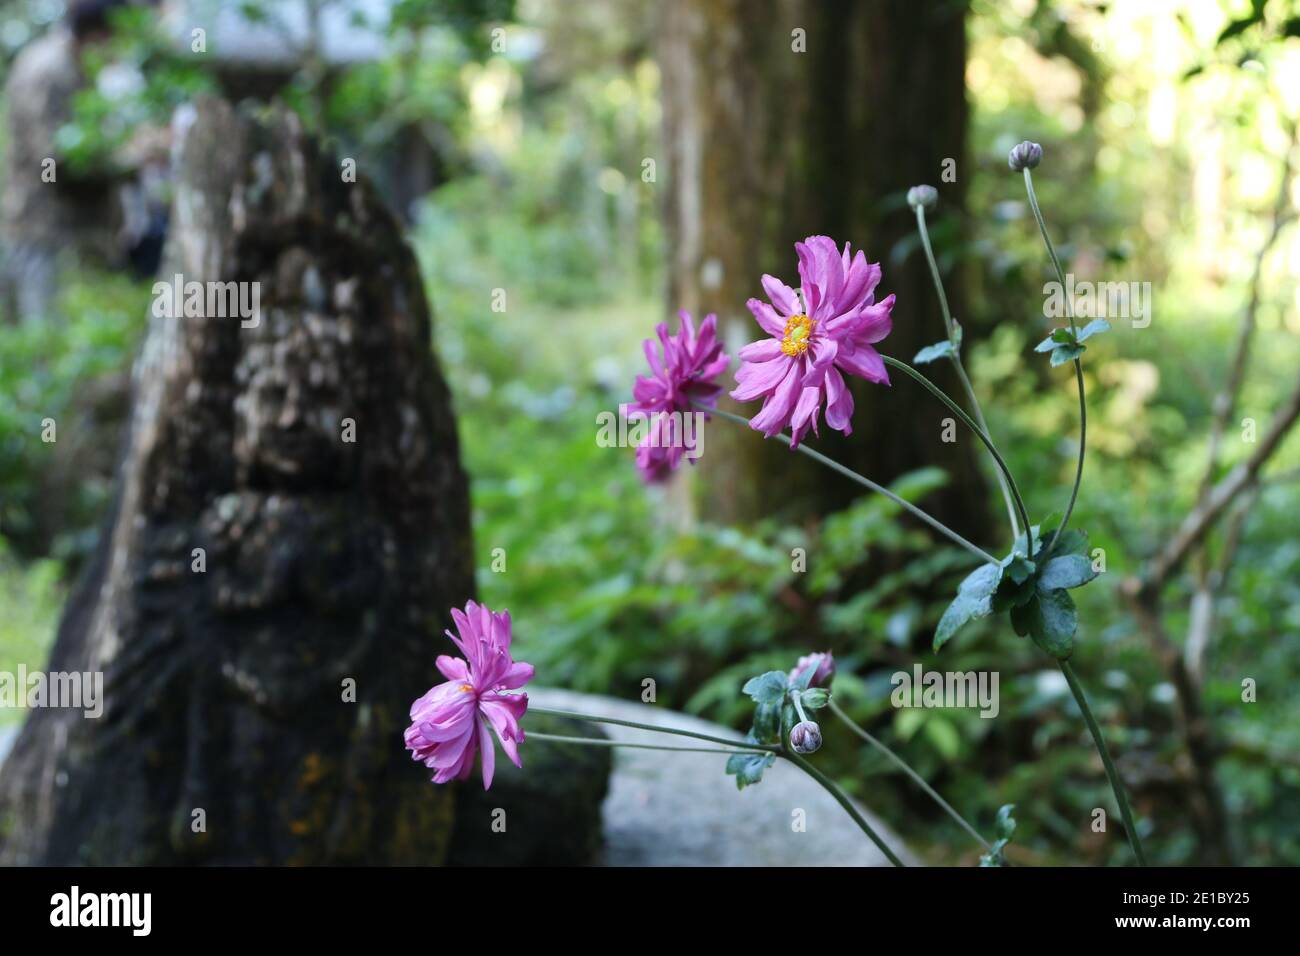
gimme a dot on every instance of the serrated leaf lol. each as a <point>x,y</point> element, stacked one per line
<point>1052,620</point>
<point>1067,353</point>
<point>1095,327</point>
<point>767,688</point>
<point>1067,571</point>
<point>767,722</point>
<point>748,768</point>
<point>973,600</point>
<point>933,352</point>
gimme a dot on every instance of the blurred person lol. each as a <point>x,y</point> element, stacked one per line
<point>52,213</point>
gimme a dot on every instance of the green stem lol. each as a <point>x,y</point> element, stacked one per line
<point>1078,468</point>
<point>661,730</point>
<point>600,742</point>
<point>979,433</point>
<point>955,357</point>
<point>1051,250</point>
<point>1078,366</point>
<point>842,799</point>
<point>916,777</point>
<point>804,765</point>
<point>906,505</point>
<point>1116,786</point>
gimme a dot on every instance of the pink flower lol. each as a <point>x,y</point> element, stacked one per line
<point>450,724</point>
<point>828,327</point>
<point>686,374</point>
<point>825,669</point>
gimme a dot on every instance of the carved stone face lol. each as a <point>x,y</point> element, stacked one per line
<point>296,384</point>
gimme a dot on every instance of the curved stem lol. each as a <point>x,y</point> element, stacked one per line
<point>1078,469</point>
<point>955,356</point>
<point>979,433</point>
<point>916,777</point>
<point>599,742</point>
<point>1116,785</point>
<point>662,730</point>
<point>842,799</point>
<point>1078,366</point>
<point>1051,250</point>
<point>849,473</point>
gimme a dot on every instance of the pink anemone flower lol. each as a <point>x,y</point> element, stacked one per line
<point>455,720</point>
<point>818,333</point>
<point>684,373</point>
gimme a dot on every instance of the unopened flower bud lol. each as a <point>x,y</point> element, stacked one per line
<point>925,196</point>
<point>806,737</point>
<point>1024,155</point>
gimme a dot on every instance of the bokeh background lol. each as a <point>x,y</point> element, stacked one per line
<point>513,139</point>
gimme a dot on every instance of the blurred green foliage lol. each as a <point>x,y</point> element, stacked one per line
<point>611,583</point>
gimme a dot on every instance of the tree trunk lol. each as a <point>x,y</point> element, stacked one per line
<point>313,458</point>
<point>766,146</point>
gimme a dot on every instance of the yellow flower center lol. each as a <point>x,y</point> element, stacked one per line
<point>798,330</point>
<point>466,689</point>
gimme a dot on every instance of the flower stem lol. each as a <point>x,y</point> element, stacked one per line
<point>979,433</point>
<point>1051,250</point>
<point>1078,468</point>
<point>916,777</point>
<point>1078,366</point>
<point>1116,785</point>
<point>662,730</point>
<point>599,742</point>
<point>842,799</point>
<point>955,356</point>
<point>849,473</point>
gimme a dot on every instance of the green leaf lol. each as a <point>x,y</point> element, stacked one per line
<point>1010,594</point>
<point>1095,327</point>
<point>973,600</point>
<point>767,722</point>
<point>1072,542</point>
<point>1021,616</point>
<point>767,688</point>
<point>1018,568</point>
<point>748,768</point>
<point>788,719</point>
<point>1051,620</point>
<point>1067,353</point>
<point>944,737</point>
<point>1006,823</point>
<point>934,352</point>
<point>1067,571</point>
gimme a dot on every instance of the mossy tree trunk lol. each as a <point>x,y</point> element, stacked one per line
<point>313,459</point>
<point>785,119</point>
